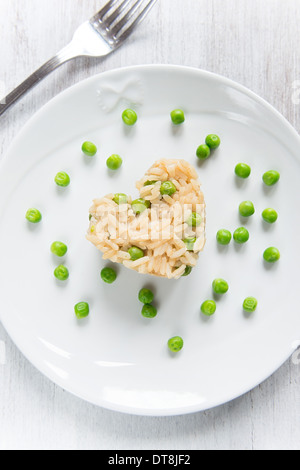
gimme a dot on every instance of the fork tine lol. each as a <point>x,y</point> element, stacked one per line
<point>126,18</point>
<point>101,13</point>
<point>110,19</point>
<point>134,24</point>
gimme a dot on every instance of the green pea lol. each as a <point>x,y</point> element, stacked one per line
<point>247,209</point>
<point>271,255</point>
<point>190,242</point>
<point>203,152</point>
<point>140,205</point>
<point>120,199</point>
<point>108,275</point>
<point>33,216</point>
<point>208,308</point>
<point>59,249</point>
<point>129,117</point>
<point>194,220</point>
<point>61,273</point>
<point>220,286</point>
<point>241,235</point>
<point>175,344</point>
<point>62,179</point>
<point>177,116</point>
<point>168,188</point>
<point>242,170</point>
<point>150,183</point>
<point>250,304</point>
<point>135,253</point>
<point>213,141</point>
<point>149,311</point>
<point>82,310</point>
<point>89,149</point>
<point>224,237</point>
<point>146,296</point>
<point>271,177</point>
<point>270,216</point>
<point>187,271</point>
<point>114,162</point>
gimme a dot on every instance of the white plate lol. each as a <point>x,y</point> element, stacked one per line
<point>116,358</point>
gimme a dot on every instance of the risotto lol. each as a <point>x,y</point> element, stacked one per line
<point>168,230</point>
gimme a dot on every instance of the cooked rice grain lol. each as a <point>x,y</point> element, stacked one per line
<point>160,230</point>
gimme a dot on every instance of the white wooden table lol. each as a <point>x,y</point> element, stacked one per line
<point>255,42</point>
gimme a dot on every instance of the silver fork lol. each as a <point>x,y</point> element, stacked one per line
<point>98,37</point>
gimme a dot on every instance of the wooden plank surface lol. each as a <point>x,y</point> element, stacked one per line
<point>254,42</point>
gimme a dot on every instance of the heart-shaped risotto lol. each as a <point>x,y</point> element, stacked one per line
<point>161,233</point>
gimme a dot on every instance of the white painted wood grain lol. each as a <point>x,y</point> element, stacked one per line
<point>255,42</point>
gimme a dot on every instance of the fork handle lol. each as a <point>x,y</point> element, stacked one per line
<point>63,56</point>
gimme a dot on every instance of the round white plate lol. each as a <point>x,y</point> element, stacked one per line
<point>116,358</point>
